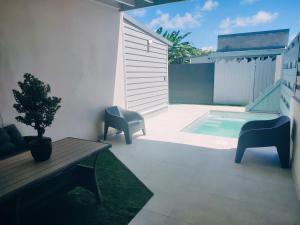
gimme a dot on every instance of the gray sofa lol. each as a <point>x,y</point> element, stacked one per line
<point>12,142</point>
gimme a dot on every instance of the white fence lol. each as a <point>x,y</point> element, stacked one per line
<point>240,82</point>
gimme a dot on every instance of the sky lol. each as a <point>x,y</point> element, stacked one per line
<point>208,18</point>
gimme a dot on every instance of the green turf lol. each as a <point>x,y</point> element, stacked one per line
<point>123,196</point>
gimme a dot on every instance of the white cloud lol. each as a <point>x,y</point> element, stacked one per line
<point>139,12</point>
<point>208,48</point>
<point>249,2</point>
<point>262,17</point>
<point>187,20</point>
<point>210,5</point>
<point>226,26</point>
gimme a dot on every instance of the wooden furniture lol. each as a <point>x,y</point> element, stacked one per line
<point>21,176</point>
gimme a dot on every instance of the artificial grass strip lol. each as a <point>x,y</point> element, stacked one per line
<point>123,196</point>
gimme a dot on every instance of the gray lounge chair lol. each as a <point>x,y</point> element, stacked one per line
<point>266,133</point>
<point>124,120</point>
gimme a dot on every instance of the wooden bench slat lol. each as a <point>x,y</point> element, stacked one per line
<point>21,171</point>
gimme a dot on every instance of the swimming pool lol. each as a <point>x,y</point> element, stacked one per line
<point>224,124</point>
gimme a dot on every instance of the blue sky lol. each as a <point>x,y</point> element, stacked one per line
<point>208,18</point>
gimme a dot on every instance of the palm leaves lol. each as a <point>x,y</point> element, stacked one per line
<point>180,51</point>
<point>173,37</point>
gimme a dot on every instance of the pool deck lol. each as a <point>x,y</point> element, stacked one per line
<point>195,180</point>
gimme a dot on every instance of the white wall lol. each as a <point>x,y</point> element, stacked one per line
<point>233,82</point>
<point>239,83</point>
<point>119,92</point>
<point>70,44</point>
<point>295,115</point>
<point>278,67</point>
<point>264,76</point>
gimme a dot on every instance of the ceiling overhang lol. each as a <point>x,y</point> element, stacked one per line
<point>124,5</point>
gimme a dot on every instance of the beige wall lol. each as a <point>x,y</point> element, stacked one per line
<point>295,114</point>
<point>70,44</point>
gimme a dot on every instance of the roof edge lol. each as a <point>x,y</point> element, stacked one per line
<point>249,53</point>
<point>146,29</point>
<point>251,49</point>
<point>256,32</point>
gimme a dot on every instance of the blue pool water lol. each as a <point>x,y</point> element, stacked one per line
<point>224,124</point>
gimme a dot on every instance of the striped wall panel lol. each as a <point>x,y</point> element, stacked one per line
<point>146,70</point>
<point>290,75</point>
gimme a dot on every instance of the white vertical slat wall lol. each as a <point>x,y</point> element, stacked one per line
<point>290,75</point>
<point>233,81</point>
<point>146,71</point>
<point>238,83</point>
<point>264,75</point>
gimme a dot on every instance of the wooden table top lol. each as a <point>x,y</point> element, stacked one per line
<point>21,171</point>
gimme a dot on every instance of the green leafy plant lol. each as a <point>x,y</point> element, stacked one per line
<point>33,102</point>
<point>181,50</point>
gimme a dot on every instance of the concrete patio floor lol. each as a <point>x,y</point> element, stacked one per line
<point>195,180</point>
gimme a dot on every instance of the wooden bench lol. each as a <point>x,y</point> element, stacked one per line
<point>29,183</point>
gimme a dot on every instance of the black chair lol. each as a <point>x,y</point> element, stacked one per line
<point>266,133</point>
<point>12,142</point>
<point>124,120</point>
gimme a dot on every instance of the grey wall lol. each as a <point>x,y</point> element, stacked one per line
<point>253,40</point>
<point>191,83</point>
<point>146,70</point>
<point>70,44</point>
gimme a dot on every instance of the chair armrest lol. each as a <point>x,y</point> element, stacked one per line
<point>132,115</point>
<point>115,121</point>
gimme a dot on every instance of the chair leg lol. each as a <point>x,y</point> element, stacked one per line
<point>239,154</point>
<point>283,151</point>
<point>128,137</point>
<point>105,131</point>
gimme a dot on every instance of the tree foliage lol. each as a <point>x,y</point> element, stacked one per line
<point>33,102</point>
<point>181,50</point>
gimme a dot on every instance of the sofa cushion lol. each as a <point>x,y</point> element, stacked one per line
<point>4,137</point>
<point>6,146</point>
<point>15,135</point>
<point>7,149</point>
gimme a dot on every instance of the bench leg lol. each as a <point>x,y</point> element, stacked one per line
<point>86,177</point>
<point>105,131</point>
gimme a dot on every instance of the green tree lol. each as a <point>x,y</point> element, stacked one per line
<point>181,50</point>
<point>33,101</point>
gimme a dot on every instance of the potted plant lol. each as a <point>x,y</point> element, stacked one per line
<point>38,111</point>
